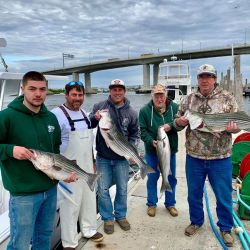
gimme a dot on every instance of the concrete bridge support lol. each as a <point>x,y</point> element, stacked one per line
<point>87,80</point>
<point>75,76</point>
<point>237,87</point>
<point>155,73</point>
<point>146,76</point>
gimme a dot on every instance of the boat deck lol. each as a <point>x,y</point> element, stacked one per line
<point>162,231</point>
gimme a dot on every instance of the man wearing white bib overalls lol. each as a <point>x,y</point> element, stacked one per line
<point>77,141</point>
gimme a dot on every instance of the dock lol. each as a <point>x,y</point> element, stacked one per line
<point>162,231</point>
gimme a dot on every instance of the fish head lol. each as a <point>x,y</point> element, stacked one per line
<point>195,121</point>
<point>43,160</point>
<point>105,122</point>
<point>161,134</point>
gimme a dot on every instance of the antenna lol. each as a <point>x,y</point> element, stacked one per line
<point>4,63</point>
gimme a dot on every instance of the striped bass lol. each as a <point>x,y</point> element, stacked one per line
<point>217,122</point>
<point>116,141</point>
<point>58,167</point>
<point>164,155</point>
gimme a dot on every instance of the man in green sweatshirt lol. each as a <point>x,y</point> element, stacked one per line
<point>160,111</point>
<point>25,124</point>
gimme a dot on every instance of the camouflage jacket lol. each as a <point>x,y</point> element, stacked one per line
<point>204,145</point>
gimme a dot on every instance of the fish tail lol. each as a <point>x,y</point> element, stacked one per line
<point>166,187</point>
<point>91,181</point>
<point>146,169</point>
<point>163,188</point>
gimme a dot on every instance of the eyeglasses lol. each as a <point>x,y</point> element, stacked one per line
<point>72,83</point>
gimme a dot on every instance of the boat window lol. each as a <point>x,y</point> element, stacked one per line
<point>183,89</point>
<point>172,71</point>
<point>11,90</point>
<point>171,92</point>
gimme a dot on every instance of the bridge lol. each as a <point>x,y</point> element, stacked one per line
<point>146,60</point>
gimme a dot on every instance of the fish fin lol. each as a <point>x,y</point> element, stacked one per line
<point>92,179</point>
<point>145,169</point>
<point>111,138</point>
<point>57,168</point>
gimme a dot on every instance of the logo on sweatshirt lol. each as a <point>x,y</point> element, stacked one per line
<point>51,128</point>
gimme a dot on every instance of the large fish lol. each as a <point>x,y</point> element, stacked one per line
<point>164,155</point>
<point>217,122</point>
<point>119,144</point>
<point>58,167</point>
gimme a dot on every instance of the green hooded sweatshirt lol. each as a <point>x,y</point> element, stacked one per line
<point>150,120</point>
<point>19,126</point>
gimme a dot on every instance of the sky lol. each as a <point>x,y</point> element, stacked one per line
<point>39,32</point>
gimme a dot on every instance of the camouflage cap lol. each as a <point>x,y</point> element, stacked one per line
<point>206,69</point>
<point>159,89</point>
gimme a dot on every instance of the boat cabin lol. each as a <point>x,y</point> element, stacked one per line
<point>175,75</point>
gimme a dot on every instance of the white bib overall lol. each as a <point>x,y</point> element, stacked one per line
<point>80,149</point>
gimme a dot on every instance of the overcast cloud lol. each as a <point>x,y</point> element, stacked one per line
<point>38,32</point>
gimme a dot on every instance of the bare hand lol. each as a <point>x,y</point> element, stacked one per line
<point>98,115</point>
<point>166,127</point>
<point>22,153</point>
<point>182,121</point>
<point>232,127</point>
<point>71,178</point>
<point>131,161</point>
<point>154,143</point>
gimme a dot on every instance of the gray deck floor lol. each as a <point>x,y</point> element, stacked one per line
<point>162,231</point>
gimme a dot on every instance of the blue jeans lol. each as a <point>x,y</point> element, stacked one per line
<point>32,217</point>
<point>219,174</point>
<point>152,198</point>
<point>112,172</point>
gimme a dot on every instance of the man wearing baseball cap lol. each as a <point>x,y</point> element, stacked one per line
<point>209,154</point>
<point>160,111</point>
<point>117,83</point>
<point>113,167</point>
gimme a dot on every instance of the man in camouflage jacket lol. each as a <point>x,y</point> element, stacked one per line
<point>209,154</point>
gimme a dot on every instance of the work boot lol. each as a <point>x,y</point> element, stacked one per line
<point>151,211</point>
<point>192,229</point>
<point>97,237</point>
<point>109,227</point>
<point>124,224</point>
<point>173,211</point>
<point>228,238</point>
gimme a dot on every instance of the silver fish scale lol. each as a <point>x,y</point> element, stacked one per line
<point>221,119</point>
<point>122,143</point>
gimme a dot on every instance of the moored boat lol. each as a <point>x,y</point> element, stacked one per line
<point>175,75</point>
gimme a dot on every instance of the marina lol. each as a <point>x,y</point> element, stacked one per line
<point>161,232</point>
<point>92,55</point>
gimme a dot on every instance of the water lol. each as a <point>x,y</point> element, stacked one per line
<point>136,101</point>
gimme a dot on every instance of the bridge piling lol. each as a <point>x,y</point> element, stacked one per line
<point>146,76</point>
<point>155,73</point>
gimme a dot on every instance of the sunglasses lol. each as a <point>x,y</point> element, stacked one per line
<point>72,83</point>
